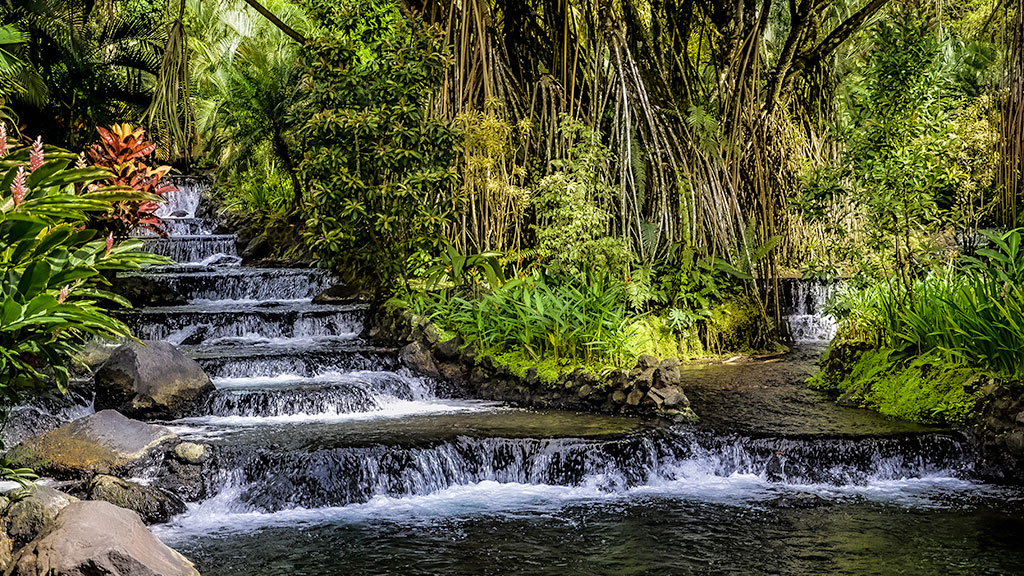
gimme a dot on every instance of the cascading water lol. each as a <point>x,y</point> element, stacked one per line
<point>194,243</point>
<point>803,310</point>
<point>329,457</point>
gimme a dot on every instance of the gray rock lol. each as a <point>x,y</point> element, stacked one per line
<point>619,378</point>
<point>671,397</point>
<point>451,371</point>
<point>584,391</point>
<point>32,514</point>
<point>667,373</point>
<point>416,357</point>
<point>258,247</point>
<point>191,453</point>
<point>101,443</point>
<point>682,415</point>
<point>6,551</point>
<point>337,294</point>
<point>1015,442</point>
<point>431,335</point>
<point>635,397</point>
<point>619,397</point>
<point>645,379</point>
<point>154,380</point>
<point>151,504</point>
<point>646,362</point>
<point>98,538</point>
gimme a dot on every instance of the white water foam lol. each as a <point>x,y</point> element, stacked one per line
<point>390,408</point>
<point>222,514</point>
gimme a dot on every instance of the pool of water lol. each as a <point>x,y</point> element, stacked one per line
<point>742,528</point>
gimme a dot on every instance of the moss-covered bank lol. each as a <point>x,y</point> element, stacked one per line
<point>931,389</point>
<point>927,389</point>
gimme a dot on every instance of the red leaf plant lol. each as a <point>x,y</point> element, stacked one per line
<point>123,149</point>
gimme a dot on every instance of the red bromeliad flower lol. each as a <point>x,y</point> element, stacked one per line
<point>123,150</point>
<point>64,292</point>
<point>3,139</point>
<point>18,189</point>
<point>35,158</point>
<point>110,244</point>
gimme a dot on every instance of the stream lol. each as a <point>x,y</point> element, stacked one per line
<point>332,459</point>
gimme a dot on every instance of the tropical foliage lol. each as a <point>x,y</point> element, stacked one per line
<point>53,288</point>
<point>123,150</point>
<point>378,165</point>
<point>79,64</point>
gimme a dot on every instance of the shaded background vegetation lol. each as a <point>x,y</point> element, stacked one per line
<point>677,156</point>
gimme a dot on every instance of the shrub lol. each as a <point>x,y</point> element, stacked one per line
<point>52,266</point>
<point>974,314</point>
<point>122,151</point>
<point>378,164</point>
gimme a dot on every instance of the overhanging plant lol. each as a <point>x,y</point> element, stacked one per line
<point>52,284</point>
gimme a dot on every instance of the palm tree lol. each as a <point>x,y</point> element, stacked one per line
<point>83,66</point>
<point>246,74</point>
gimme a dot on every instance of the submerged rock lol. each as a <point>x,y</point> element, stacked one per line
<point>34,511</point>
<point>799,501</point>
<point>101,443</point>
<point>98,538</point>
<point>151,504</point>
<point>151,380</point>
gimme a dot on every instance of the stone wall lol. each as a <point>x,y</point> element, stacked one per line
<point>650,388</point>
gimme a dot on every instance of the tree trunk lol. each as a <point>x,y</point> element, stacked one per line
<point>276,21</point>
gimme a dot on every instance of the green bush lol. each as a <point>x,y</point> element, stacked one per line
<point>584,322</point>
<point>974,315</point>
<point>52,268</point>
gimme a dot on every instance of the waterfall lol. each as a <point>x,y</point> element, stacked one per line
<point>803,310</point>
<point>311,424</point>
<point>183,202</point>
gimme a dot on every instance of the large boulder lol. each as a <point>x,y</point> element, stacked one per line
<point>101,443</point>
<point>98,538</point>
<point>152,504</point>
<point>152,379</point>
<point>33,511</point>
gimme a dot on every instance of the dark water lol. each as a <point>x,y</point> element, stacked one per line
<point>639,535</point>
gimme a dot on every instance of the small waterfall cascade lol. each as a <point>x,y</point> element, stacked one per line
<point>190,239</point>
<point>803,310</point>
<point>309,416</point>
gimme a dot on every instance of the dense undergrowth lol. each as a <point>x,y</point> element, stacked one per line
<point>554,189</point>
<point>926,348</point>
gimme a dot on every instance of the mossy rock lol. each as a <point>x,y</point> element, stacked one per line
<point>151,504</point>
<point>837,362</point>
<point>102,443</point>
